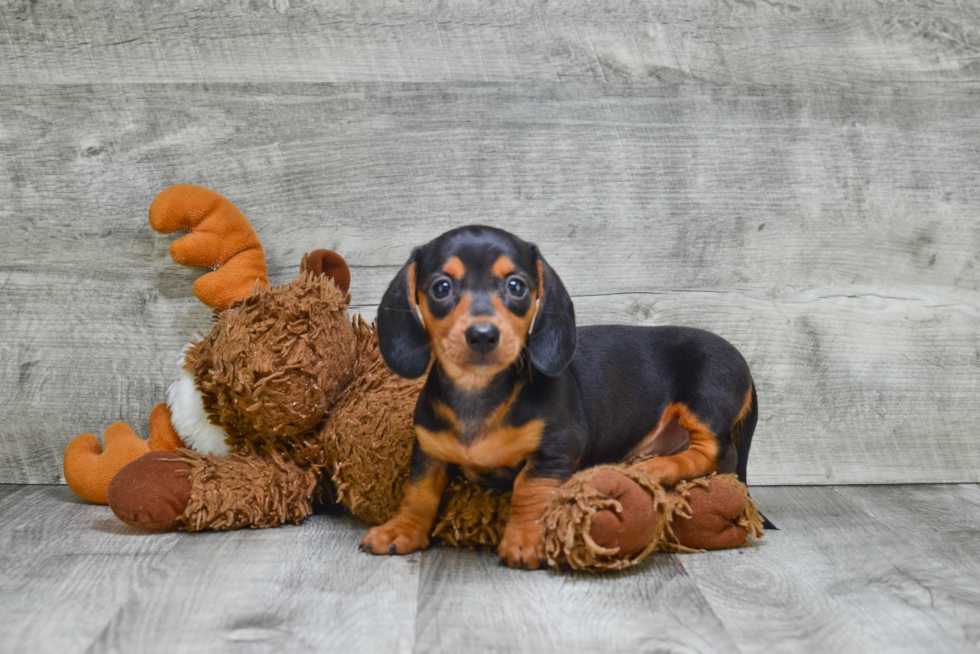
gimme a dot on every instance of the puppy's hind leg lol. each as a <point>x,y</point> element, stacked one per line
<point>698,460</point>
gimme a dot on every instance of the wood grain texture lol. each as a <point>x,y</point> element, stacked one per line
<point>294,589</point>
<point>835,578</point>
<point>470,603</point>
<point>852,569</point>
<point>66,568</point>
<point>826,234</point>
<point>656,188</point>
<point>73,578</point>
<point>810,44</point>
<point>944,523</point>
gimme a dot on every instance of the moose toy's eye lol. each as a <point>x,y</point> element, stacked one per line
<point>516,287</point>
<point>440,289</point>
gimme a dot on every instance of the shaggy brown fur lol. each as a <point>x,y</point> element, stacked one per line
<point>273,363</point>
<point>369,433</point>
<point>471,516</point>
<point>292,379</point>
<point>239,490</point>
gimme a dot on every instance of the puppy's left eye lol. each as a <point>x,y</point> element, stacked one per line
<point>516,287</point>
<point>441,289</point>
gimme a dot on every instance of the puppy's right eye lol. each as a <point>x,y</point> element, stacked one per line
<point>440,289</point>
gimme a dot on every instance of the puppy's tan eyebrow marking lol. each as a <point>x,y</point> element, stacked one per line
<point>503,266</point>
<point>454,268</point>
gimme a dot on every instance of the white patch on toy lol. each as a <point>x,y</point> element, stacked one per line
<point>189,418</point>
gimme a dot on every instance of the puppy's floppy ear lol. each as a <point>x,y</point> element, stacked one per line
<point>402,339</point>
<point>553,337</point>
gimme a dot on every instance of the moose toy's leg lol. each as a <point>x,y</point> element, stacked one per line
<point>612,517</point>
<point>710,513</point>
<point>151,492</point>
<point>202,491</point>
<point>719,514</point>
<point>605,518</point>
<point>629,525</point>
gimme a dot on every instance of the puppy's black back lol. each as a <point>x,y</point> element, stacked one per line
<point>627,376</point>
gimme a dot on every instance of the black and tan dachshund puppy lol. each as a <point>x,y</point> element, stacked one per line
<point>517,396</point>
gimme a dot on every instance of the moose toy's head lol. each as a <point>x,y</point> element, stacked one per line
<point>274,362</point>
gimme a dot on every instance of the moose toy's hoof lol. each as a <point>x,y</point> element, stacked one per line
<point>630,529</point>
<point>152,492</point>
<point>716,507</point>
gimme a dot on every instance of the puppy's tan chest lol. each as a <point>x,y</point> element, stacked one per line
<point>495,446</point>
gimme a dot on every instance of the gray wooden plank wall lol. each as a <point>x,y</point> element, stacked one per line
<point>802,179</point>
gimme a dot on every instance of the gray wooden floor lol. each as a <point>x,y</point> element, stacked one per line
<point>851,569</point>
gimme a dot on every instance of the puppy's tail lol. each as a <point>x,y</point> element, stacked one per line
<point>742,435</point>
<point>742,432</point>
<point>221,238</point>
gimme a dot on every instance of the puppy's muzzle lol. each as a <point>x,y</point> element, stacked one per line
<point>482,337</point>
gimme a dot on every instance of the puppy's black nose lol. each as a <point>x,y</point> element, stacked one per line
<point>482,337</point>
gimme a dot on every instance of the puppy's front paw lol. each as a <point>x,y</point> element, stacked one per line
<point>523,546</point>
<point>395,537</point>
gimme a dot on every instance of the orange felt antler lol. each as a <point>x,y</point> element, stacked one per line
<point>221,238</point>
<point>89,468</point>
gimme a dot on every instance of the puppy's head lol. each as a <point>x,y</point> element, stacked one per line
<point>473,298</point>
